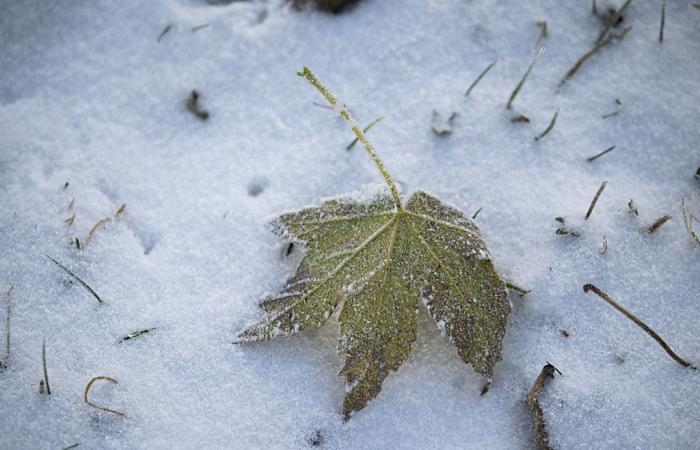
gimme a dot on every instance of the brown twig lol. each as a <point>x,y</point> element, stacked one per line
<point>43,363</point>
<point>120,210</point>
<point>76,278</point>
<point>575,68</point>
<point>101,408</point>
<point>520,84</point>
<point>94,228</point>
<point>549,127</point>
<point>657,224</point>
<point>481,75</point>
<point>595,199</point>
<point>638,322</point>
<point>607,150</point>
<point>663,21</point>
<point>612,21</point>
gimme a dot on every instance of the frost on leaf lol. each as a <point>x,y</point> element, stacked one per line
<point>375,263</point>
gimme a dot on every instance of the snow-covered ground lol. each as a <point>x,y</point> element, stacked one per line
<point>90,98</point>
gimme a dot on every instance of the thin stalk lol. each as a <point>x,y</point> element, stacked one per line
<point>345,114</point>
<point>639,323</point>
<point>6,361</point>
<point>607,150</point>
<point>76,278</point>
<point>43,363</point>
<point>481,75</point>
<point>522,80</point>
<point>549,127</point>
<point>614,18</point>
<point>663,20</point>
<point>365,130</point>
<point>101,408</point>
<point>595,198</point>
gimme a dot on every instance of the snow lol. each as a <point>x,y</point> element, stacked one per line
<point>87,96</point>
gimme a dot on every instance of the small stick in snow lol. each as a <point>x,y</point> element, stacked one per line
<point>71,446</point>
<point>366,129</point>
<point>575,68</point>
<point>94,228</point>
<point>192,105</point>
<point>43,363</point>
<point>72,202</point>
<point>595,198</point>
<point>477,212</point>
<point>520,119</point>
<point>70,220</point>
<point>638,322</point>
<point>657,224</point>
<point>76,277</point>
<point>542,25</point>
<point>65,186</point>
<point>613,20</point>
<point>120,211</point>
<point>136,334</point>
<point>536,58</point>
<point>481,75</point>
<point>518,289</point>
<point>165,31</point>
<point>8,311</point>
<point>533,402</point>
<point>611,114</point>
<point>101,408</point>
<point>549,127</point>
<point>199,27</point>
<point>565,333</point>
<point>607,150</point>
<point>663,21</point>
<point>688,218</point>
<point>77,243</point>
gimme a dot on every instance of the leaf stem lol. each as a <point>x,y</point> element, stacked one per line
<point>345,114</point>
<point>638,322</point>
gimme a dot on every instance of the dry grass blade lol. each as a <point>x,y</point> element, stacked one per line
<point>533,402</point>
<point>688,219</point>
<point>8,311</point>
<point>663,20</point>
<point>542,25</point>
<point>43,363</point>
<point>638,322</point>
<point>477,212</point>
<point>549,127</point>
<point>136,334</point>
<point>657,224</point>
<point>595,198</point>
<point>94,228</point>
<point>87,391</point>
<point>518,289</point>
<point>70,220</point>
<point>366,129</point>
<point>120,210</point>
<point>76,278</point>
<point>575,68</point>
<point>71,446</point>
<point>520,84</point>
<point>607,150</point>
<point>165,31</point>
<point>481,75</point>
<point>199,27</point>
<point>612,21</point>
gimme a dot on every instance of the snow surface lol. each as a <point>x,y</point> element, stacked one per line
<point>88,96</point>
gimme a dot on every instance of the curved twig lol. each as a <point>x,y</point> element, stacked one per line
<point>101,408</point>
<point>638,322</point>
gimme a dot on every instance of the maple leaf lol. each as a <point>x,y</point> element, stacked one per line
<point>374,262</point>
